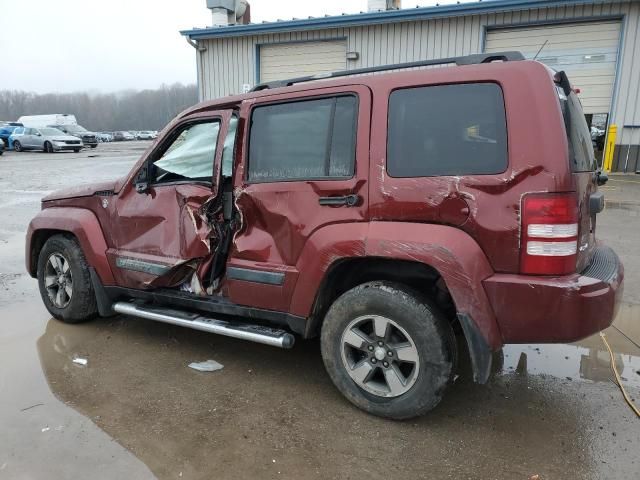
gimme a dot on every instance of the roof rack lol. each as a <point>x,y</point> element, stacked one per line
<point>466,60</point>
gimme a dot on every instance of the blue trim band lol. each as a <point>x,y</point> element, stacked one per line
<point>376,18</point>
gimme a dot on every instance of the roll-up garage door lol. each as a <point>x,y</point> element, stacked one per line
<point>289,60</point>
<point>586,51</point>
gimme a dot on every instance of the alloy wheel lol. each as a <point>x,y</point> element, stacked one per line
<point>58,280</point>
<point>380,356</point>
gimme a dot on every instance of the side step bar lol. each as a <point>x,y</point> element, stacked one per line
<point>253,333</point>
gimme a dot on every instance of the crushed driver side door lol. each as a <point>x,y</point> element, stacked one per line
<point>161,229</point>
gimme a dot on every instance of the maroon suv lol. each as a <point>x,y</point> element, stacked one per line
<point>386,213</point>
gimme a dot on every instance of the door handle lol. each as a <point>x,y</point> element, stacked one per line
<point>346,200</point>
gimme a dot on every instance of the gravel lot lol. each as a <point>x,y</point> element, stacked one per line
<point>137,411</point>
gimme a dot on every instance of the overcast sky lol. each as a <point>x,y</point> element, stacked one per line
<point>98,45</point>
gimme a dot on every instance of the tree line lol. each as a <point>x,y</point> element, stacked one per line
<point>125,110</point>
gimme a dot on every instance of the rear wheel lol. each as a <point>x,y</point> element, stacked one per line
<point>64,281</point>
<point>17,146</point>
<point>94,146</point>
<point>48,147</point>
<point>388,350</point>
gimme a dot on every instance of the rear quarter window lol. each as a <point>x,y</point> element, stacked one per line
<point>447,130</point>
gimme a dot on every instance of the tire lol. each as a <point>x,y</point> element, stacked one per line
<point>77,150</point>
<point>68,297</point>
<point>17,146</point>
<point>419,344</point>
<point>48,147</point>
<point>94,146</point>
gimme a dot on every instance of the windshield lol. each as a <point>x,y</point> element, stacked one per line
<point>581,154</point>
<point>75,128</point>
<point>51,131</point>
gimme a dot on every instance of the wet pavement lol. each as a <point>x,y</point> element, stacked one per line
<point>137,411</point>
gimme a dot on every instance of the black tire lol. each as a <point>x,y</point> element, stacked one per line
<point>77,150</point>
<point>94,146</point>
<point>425,328</point>
<point>17,146</point>
<point>81,303</point>
<point>48,147</point>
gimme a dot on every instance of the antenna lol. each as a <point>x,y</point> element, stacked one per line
<point>543,45</point>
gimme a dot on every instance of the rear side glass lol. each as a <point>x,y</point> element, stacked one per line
<point>447,130</point>
<point>313,139</point>
<point>581,156</point>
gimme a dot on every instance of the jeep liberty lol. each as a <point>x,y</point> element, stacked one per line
<point>400,216</point>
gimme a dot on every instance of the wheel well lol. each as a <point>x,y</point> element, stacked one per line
<point>347,274</point>
<point>38,240</point>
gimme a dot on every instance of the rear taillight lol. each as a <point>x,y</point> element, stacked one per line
<point>549,234</point>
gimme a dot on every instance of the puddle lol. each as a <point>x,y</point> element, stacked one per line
<point>586,360</point>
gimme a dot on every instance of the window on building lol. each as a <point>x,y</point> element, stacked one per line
<point>447,130</point>
<point>312,139</point>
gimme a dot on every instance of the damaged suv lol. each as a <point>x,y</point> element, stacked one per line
<point>400,217</point>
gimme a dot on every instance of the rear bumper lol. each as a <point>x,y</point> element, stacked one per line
<point>558,309</point>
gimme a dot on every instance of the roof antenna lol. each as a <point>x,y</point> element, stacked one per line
<point>545,42</point>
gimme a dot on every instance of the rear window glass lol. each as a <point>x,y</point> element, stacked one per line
<point>581,155</point>
<point>447,130</point>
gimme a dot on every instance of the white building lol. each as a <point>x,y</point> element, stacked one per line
<point>597,42</point>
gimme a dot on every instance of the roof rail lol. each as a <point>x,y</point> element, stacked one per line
<point>466,60</point>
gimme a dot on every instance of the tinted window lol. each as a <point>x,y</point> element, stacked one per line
<point>447,130</point>
<point>581,154</point>
<point>190,156</point>
<point>312,139</point>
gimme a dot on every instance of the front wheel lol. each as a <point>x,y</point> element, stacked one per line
<point>64,280</point>
<point>388,350</point>
<point>77,150</point>
<point>94,146</point>
<point>48,147</point>
<point>17,146</point>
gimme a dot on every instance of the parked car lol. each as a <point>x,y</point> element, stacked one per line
<point>144,135</point>
<point>46,139</point>
<point>386,214</point>
<point>104,137</point>
<point>88,138</point>
<point>121,136</point>
<point>16,134</point>
<point>5,133</point>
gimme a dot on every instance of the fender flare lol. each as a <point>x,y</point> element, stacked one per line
<point>81,223</point>
<point>449,250</point>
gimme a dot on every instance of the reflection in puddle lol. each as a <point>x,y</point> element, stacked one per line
<point>587,359</point>
<point>570,362</point>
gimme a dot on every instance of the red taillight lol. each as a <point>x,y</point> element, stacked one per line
<point>549,234</point>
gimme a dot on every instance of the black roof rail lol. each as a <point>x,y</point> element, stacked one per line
<point>466,60</point>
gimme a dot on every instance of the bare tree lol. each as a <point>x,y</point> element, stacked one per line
<point>125,110</point>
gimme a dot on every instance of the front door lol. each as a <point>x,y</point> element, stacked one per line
<point>160,231</point>
<point>304,166</point>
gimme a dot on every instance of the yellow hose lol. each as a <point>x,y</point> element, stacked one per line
<point>617,375</point>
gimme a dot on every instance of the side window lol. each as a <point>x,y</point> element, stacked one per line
<point>447,130</point>
<point>228,148</point>
<point>190,156</point>
<point>312,139</point>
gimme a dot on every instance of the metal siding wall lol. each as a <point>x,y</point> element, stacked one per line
<point>230,62</point>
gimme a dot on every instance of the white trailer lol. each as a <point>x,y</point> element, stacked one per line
<point>46,120</point>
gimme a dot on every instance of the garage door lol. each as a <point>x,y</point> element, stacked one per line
<point>586,51</point>
<point>289,60</point>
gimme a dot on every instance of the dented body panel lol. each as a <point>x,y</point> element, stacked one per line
<point>284,243</point>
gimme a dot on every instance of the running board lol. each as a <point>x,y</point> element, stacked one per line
<point>254,333</point>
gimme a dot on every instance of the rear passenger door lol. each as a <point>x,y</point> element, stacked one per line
<point>304,166</point>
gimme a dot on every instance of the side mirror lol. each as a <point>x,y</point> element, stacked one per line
<point>141,181</point>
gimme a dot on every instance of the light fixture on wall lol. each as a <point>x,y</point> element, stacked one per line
<point>353,55</point>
